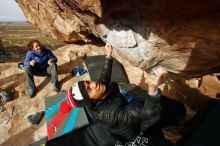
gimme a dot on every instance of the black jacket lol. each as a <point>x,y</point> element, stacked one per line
<point>117,122</point>
<point>121,118</point>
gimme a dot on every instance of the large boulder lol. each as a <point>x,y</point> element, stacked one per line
<point>182,35</point>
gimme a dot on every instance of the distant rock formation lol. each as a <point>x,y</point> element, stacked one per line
<point>182,35</point>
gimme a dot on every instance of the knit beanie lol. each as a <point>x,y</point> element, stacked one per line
<point>76,96</point>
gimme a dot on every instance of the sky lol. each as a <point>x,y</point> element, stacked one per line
<point>10,11</point>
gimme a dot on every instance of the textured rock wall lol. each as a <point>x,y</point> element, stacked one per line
<point>181,35</point>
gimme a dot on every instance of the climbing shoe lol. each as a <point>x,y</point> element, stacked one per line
<point>36,118</point>
<point>31,92</point>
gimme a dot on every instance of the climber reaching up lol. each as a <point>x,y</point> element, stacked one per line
<point>110,107</point>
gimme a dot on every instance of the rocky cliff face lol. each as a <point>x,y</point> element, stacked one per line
<point>181,35</point>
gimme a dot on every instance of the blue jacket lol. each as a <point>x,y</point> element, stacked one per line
<point>41,58</point>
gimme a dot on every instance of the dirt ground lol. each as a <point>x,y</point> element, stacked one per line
<point>17,131</point>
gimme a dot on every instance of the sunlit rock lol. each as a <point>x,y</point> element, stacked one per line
<point>182,35</point>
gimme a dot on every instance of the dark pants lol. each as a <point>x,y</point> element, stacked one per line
<point>31,71</point>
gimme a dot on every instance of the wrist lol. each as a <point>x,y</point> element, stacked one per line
<point>152,88</point>
<point>108,56</point>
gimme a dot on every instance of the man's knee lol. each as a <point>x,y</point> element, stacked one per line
<point>54,64</point>
<point>53,67</point>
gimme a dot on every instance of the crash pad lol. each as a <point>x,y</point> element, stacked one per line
<point>76,118</point>
<point>95,65</point>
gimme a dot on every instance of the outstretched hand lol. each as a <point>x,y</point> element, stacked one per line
<point>156,79</point>
<point>108,49</point>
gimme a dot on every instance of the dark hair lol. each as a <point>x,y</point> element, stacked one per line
<point>30,44</point>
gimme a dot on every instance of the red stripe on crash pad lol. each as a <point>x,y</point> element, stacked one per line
<point>52,127</point>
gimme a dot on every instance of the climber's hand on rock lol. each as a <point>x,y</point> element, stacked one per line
<point>156,79</point>
<point>108,49</point>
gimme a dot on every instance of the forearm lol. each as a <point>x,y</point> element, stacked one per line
<point>27,60</point>
<point>52,57</point>
<point>152,103</point>
<point>151,111</point>
<point>27,63</point>
<point>105,76</point>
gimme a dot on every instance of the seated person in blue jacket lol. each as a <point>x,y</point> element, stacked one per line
<point>40,61</point>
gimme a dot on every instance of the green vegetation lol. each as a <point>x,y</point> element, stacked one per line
<point>18,34</point>
<point>15,37</point>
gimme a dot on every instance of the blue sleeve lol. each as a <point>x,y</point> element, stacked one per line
<point>28,58</point>
<point>51,56</point>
